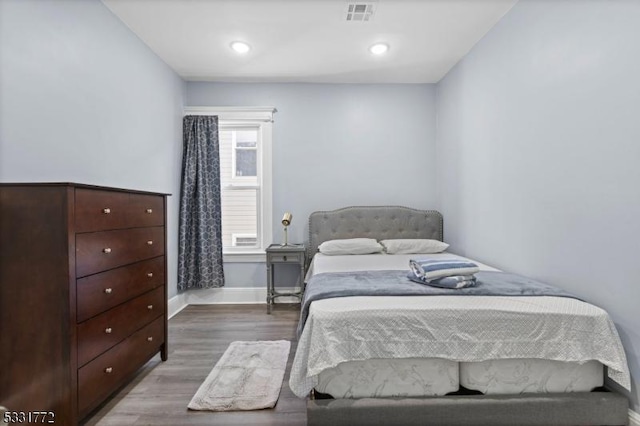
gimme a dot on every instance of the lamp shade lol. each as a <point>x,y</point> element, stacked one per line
<point>286,219</point>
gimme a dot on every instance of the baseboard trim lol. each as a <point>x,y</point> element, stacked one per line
<point>227,296</point>
<point>634,418</point>
<point>214,296</point>
<point>236,295</point>
<point>176,304</point>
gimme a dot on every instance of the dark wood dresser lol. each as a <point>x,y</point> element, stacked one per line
<point>83,295</point>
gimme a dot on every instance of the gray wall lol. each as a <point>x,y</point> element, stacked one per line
<point>538,149</point>
<point>84,100</point>
<point>336,145</point>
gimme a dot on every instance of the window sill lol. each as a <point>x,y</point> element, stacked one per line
<point>258,256</point>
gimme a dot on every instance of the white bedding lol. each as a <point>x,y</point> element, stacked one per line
<point>458,328</point>
<point>514,376</point>
<point>390,378</point>
<point>418,377</point>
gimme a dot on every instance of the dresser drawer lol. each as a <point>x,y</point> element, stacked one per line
<point>102,332</point>
<point>285,258</point>
<point>100,292</point>
<point>100,377</point>
<point>145,210</point>
<point>100,251</point>
<point>99,210</point>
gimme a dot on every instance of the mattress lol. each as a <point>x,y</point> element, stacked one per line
<point>457,328</point>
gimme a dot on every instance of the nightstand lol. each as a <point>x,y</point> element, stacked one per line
<point>293,254</point>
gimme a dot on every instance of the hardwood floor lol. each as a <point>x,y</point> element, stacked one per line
<point>198,336</point>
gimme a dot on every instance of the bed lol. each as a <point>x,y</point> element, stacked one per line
<point>369,359</point>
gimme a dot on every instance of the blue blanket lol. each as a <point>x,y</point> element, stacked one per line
<point>395,283</point>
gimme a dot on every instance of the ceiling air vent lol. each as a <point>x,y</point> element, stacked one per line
<point>361,11</point>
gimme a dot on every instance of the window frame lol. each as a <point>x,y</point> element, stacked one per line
<point>261,117</point>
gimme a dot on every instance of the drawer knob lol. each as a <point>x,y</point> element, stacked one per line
<point>150,243</point>
<point>150,274</point>
<point>108,370</point>
<point>108,330</point>
<point>106,211</point>
<point>106,250</point>
<point>150,339</point>
<point>285,258</point>
<point>149,307</point>
<point>108,290</point>
<point>149,211</point>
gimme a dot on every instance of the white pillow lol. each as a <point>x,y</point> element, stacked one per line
<point>350,246</point>
<point>410,246</point>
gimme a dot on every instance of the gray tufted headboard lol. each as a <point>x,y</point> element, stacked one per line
<point>381,222</point>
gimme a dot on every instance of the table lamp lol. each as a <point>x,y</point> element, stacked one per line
<point>286,221</point>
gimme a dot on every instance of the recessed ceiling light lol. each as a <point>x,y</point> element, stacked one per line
<point>379,48</point>
<point>240,46</point>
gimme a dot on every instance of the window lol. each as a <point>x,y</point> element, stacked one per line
<point>245,179</point>
<point>240,144</point>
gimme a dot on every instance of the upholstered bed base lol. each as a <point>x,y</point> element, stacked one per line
<point>575,409</point>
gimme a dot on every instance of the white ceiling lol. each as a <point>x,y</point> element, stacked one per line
<point>310,40</point>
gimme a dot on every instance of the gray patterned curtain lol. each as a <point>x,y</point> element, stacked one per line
<point>200,233</point>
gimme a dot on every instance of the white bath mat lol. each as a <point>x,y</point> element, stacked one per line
<point>247,377</point>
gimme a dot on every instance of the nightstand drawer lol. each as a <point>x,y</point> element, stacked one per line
<point>285,258</point>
